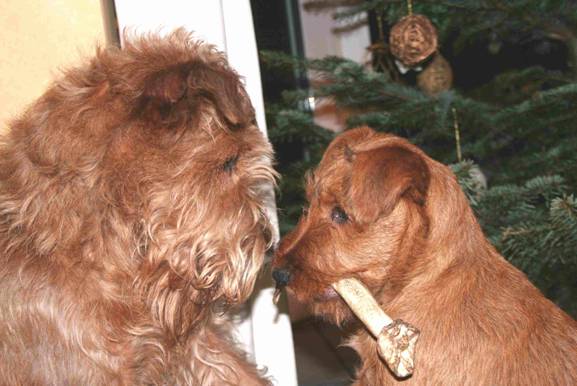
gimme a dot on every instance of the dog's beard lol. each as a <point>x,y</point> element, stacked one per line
<point>322,300</point>
<point>222,257</point>
<point>244,258</point>
<point>254,234</point>
<point>197,254</point>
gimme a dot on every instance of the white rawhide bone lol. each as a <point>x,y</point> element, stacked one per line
<point>396,339</point>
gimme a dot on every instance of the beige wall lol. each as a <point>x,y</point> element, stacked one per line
<point>39,37</point>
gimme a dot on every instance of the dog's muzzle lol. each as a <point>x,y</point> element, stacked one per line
<point>281,276</point>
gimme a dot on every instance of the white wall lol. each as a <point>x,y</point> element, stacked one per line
<point>321,36</point>
<point>324,36</point>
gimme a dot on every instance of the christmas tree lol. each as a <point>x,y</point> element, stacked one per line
<point>507,132</point>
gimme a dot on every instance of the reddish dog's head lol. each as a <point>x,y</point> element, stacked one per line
<point>365,219</point>
<point>382,212</point>
<point>146,162</point>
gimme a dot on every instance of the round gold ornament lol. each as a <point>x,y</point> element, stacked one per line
<point>436,77</point>
<point>413,39</point>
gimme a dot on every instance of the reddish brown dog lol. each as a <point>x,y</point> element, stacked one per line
<point>131,216</point>
<point>382,211</point>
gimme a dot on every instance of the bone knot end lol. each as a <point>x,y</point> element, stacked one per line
<point>396,346</point>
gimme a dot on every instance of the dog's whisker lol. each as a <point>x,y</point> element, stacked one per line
<point>277,294</point>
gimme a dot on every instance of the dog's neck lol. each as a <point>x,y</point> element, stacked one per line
<point>447,260</point>
<point>454,235</point>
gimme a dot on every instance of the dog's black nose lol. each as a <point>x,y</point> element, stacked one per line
<point>281,276</point>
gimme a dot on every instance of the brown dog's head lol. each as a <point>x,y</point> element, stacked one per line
<point>365,220</point>
<point>146,163</point>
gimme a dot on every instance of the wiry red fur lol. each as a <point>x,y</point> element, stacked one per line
<point>131,217</point>
<point>412,238</point>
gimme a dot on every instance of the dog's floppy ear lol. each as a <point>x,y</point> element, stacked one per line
<point>162,94</point>
<point>167,86</point>
<point>381,176</point>
<point>223,88</point>
<point>198,81</point>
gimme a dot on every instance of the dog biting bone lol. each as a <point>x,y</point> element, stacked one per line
<point>383,212</point>
<point>396,339</point>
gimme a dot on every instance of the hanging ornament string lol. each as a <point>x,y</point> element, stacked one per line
<point>380,27</point>
<point>378,49</point>
<point>410,7</point>
<point>457,134</point>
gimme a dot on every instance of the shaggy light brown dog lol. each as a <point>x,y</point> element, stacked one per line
<point>131,217</point>
<point>383,212</point>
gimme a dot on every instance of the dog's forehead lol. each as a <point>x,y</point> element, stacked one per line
<point>331,178</point>
<point>342,145</point>
<point>329,181</point>
<point>347,144</point>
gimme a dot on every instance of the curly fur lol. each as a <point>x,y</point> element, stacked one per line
<point>131,218</point>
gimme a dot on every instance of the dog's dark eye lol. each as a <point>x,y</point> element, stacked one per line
<point>305,211</point>
<point>230,163</point>
<point>338,215</point>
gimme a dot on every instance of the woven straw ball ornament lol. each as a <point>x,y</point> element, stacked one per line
<point>436,77</point>
<point>413,39</point>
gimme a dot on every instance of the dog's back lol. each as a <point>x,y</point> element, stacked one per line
<point>484,323</point>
